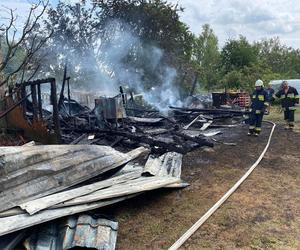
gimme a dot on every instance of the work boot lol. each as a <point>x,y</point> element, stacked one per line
<point>251,131</point>
<point>287,125</point>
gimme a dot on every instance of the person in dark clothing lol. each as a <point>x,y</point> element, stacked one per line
<point>289,98</point>
<point>259,103</point>
<point>270,93</point>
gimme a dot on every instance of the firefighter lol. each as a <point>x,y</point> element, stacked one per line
<point>259,103</point>
<point>270,93</point>
<point>289,98</point>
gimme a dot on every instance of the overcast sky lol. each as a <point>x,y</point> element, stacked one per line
<point>255,19</point>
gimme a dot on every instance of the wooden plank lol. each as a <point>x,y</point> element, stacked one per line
<point>206,125</point>
<point>55,113</point>
<point>39,95</point>
<point>192,122</point>
<point>34,101</point>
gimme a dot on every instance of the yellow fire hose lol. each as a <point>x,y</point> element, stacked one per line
<point>199,223</point>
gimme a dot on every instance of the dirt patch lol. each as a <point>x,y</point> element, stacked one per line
<point>262,214</point>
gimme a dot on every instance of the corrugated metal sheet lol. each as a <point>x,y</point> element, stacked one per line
<point>166,169</point>
<point>17,222</point>
<point>168,164</point>
<point>85,231</point>
<point>110,108</point>
<point>42,203</point>
<point>76,231</point>
<point>135,186</point>
<point>28,173</point>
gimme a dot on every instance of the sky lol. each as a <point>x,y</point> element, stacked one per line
<point>254,19</point>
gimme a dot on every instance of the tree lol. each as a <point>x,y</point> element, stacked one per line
<point>207,57</point>
<point>238,53</point>
<point>118,41</point>
<point>18,48</point>
<point>282,59</point>
<point>245,78</point>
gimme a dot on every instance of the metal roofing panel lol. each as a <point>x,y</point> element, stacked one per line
<point>85,231</point>
<point>28,173</point>
<point>168,164</point>
<point>17,222</point>
<point>42,203</point>
<point>75,231</point>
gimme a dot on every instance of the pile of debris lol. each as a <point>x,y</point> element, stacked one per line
<point>116,151</point>
<point>44,183</point>
<point>119,122</point>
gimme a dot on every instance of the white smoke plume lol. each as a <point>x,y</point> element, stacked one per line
<point>106,61</point>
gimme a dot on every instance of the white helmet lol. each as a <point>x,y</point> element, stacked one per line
<point>259,83</point>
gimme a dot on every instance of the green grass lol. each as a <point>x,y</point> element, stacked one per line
<point>277,116</point>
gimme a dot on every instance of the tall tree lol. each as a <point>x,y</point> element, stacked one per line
<point>281,58</point>
<point>238,53</point>
<point>19,47</point>
<point>207,57</point>
<point>120,40</point>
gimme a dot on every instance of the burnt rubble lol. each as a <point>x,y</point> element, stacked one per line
<point>113,152</point>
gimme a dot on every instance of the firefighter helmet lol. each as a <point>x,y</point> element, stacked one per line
<point>259,83</point>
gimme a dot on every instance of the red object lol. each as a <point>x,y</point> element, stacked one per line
<point>244,100</point>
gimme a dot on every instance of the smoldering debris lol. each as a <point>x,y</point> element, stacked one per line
<point>91,172</point>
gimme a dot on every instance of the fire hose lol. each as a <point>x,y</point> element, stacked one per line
<point>200,222</point>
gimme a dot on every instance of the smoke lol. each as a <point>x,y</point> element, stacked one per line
<point>166,94</point>
<point>144,59</point>
<point>119,58</point>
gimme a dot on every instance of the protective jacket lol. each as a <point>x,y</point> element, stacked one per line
<point>288,99</point>
<point>259,101</point>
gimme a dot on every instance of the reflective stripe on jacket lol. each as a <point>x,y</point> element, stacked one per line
<point>259,100</point>
<point>289,99</point>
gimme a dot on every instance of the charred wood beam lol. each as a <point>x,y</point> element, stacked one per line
<point>61,96</point>
<point>119,139</point>
<point>200,140</point>
<point>40,101</point>
<point>69,95</point>
<point>142,110</point>
<point>212,111</point>
<point>54,103</point>
<point>181,148</point>
<point>153,142</point>
<point>13,106</point>
<point>34,102</point>
<point>35,82</point>
<point>78,139</point>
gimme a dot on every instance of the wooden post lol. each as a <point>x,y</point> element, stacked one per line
<point>40,101</point>
<point>23,94</point>
<point>55,111</point>
<point>34,101</point>
<point>69,95</point>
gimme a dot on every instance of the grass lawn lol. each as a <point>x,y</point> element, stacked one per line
<point>277,116</point>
